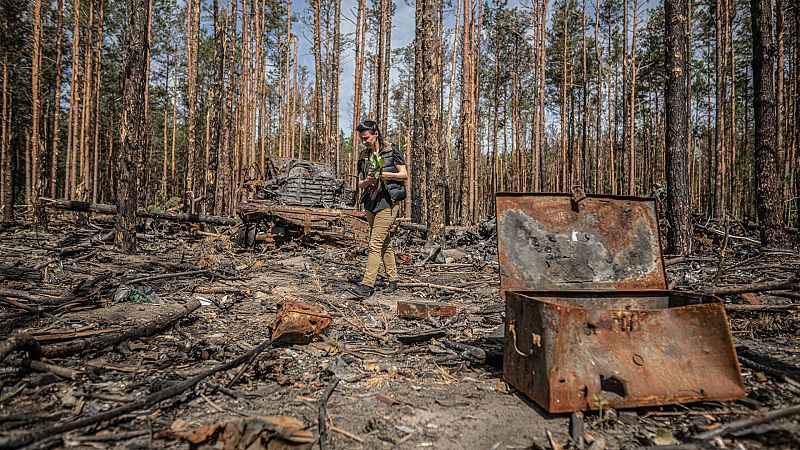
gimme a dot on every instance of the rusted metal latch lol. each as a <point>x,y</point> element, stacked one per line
<point>578,194</point>
<point>536,340</point>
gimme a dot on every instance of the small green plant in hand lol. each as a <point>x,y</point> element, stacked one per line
<point>376,170</point>
<point>376,163</point>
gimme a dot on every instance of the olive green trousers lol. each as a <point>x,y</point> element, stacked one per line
<point>380,244</point>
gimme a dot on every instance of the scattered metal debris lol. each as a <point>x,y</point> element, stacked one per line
<point>412,309</point>
<point>298,323</point>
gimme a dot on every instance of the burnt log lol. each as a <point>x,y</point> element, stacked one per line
<point>72,205</point>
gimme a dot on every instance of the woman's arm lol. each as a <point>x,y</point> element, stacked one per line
<point>401,174</point>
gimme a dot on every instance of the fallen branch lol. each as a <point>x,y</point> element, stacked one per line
<point>757,419</point>
<point>168,275</point>
<point>97,342</point>
<point>758,287</point>
<point>70,205</point>
<point>786,294</point>
<point>762,308</point>
<point>20,342</point>
<point>347,434</point>
<point>14,293</point>
<point>722,233</point>
<point>323,432</point>
<point>164,394</point>
<point>62,372</point>
<point>436,286</point>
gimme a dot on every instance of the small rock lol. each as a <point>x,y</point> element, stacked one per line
<point>611,414</point>
<point>629,417</point>
<point>598,444</point>
<point>404,429</point>
<point>760,377</point>
<point>664,437</point>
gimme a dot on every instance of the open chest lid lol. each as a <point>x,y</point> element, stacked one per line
<point>559,242</point>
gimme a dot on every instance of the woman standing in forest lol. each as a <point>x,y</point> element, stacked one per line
<point>382,174</point>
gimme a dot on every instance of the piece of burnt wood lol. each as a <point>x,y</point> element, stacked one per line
<point>416,338</point>
<point>71,205</point>
<point>758,287</point>
<point>164,394</point>
<point>757,419</point>
<point>62,372</point>
<point>762,308</point>
<point>437,286</point>
<point>412,309</point>
<point>14,273</point>
<point>168,275</point>
<point>323,431</point>
<point>223,290</point>
<point>20,342</point>
<point>786,294</point>
<point>97,342</point>
<point>473,353</point>
<point>14,293</point>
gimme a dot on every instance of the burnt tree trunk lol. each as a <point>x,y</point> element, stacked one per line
<point>768,192</point>
<point>679,235</point>
<point>133,133</point>
<point>429,89</point>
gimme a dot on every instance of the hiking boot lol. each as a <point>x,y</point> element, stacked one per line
<point>390,287</point>
<point>362,291</point>
<point>354,278</point>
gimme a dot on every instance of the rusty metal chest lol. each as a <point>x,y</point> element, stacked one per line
<point>589,319</point>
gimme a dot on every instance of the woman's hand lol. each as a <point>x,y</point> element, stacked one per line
<point>369,181</point>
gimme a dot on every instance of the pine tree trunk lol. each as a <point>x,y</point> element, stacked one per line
<point>133,131</point>
<point>719,121</point>
<point>36,63</point>
<point>465,110</point>
<point>679,234</point>
<point>626,130</point>
<point>215,113</point>
<point>335,75</point>
<point>56,101</point>
<point>82,188</point>
<point>564,160</point>
<point>69,191</point>
<point>418,150</point>
<point>165,156</point>
<point>6,174</point>
<point>582,177</point>
<point>320,141</point>
<point>430,91</point>
<point>768,199</point>
<point>359,74</point>
<point>779,94</point>
<point>387,57</point>
<point>95,182</point>
<point>192,41</point>
<point>632,113</point>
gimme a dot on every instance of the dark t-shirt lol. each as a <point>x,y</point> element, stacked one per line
<point>381,200</point>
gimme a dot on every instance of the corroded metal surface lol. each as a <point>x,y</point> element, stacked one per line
<point>551,242</point>
<point>588,319</point>
<point>298,323</point>
<point>571,351</point>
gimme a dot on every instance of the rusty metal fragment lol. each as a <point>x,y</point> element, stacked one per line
<point>589,321</point>
<point>299,323</point>
<point>411,309</point>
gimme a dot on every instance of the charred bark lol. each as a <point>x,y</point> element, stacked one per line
<point>679,234</point>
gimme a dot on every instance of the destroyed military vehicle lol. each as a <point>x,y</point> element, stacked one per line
<point>300,199</point>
